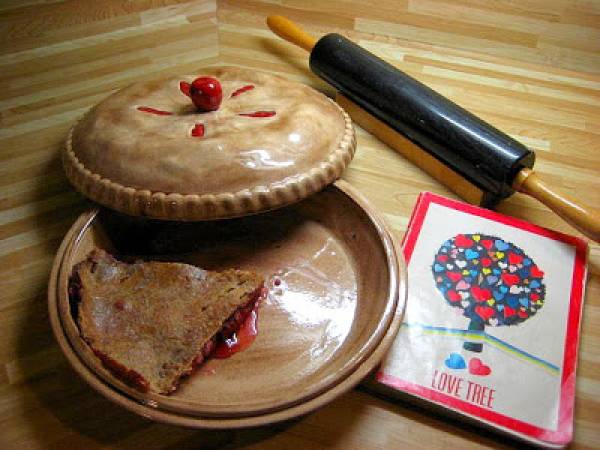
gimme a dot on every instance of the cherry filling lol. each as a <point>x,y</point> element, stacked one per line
<point>258,114</point>
<point>198,130</point>
<point>242,90</point>
<point>158,112</point>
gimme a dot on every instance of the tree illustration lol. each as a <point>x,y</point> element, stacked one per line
<point>494,282</point>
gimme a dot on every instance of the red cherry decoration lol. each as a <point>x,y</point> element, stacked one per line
<point>206,93</point>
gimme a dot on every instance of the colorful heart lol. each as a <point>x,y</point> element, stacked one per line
<point>462,285</point>
<point>471,254</point>
<point>476,367</point>
<point>501,245</point>
<point>510,279</point>
<point>480,294</point>
<point>455,361</point>
<point>536,272</point>
<point>515,259</point>
<point>453,296</point>
<point>454,276</point>
<point>462,241</point>
<point>485,312</point>
<point>487,243</point>
<point>492,279</point>
<point>508,311</point>
<point>438,268</point>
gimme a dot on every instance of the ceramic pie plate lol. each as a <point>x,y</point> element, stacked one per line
<point>337,290</point>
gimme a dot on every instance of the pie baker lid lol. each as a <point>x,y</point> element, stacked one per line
<point>146,150</point>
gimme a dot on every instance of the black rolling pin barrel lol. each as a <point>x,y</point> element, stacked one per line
<point>487,157</point>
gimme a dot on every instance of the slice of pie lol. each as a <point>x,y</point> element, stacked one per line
<point>152,323</point>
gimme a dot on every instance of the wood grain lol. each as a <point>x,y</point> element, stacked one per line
<point>531,68</point>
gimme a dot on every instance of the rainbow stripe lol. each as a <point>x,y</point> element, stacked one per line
<point>482,336</point>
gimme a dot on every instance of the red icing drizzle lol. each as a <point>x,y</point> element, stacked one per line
<point>158,112</point>
<point>243,89</point>
<point>241,339</point>
<point>184,86</point>
<point>259,114</point>
<point>198,130</point>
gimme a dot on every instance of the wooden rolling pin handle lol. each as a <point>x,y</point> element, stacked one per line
<point>585,220</point>
<point>288,30</point>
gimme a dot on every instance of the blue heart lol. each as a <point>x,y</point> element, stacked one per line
<point>500,307</point>
<point>448,284</point>
<point>513,302</point>
<point>498,295</point>
<point>524,301</point>
<point>438,268</point>
<point>468,279</point>
<point>523,273</point>
<point>471,254</point>
<point>455,361</point>
<point>473,272</point>
<point>492,279</point>
<point>534,284</point>
<point>526,262</point>
<point>504,289</point>
<point>496,271</point>
<point>443,290</point>
<point>501,245</point>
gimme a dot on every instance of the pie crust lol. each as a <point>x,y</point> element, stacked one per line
<point>267,146</point>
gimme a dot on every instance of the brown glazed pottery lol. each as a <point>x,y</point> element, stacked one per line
<point>337,289</point>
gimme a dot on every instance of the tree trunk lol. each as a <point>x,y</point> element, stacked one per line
<point>475,325</point>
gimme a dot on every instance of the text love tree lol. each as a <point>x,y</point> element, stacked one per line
<point>493,281</point>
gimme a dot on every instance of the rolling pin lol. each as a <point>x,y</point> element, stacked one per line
<point>477,161</point>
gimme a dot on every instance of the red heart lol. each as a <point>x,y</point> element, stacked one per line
<point>481,295</point>
<point>462,241</point>
<point>485,262</point>
<point>533,296</point>
<point>476,367</point>
<point>536,272</point>
<point>508,311</point>
<point>510,279</point>
<point>454,276</point>
<point>485,312</point>
<point>523,314</point>
<point>515,259</point>
<point>442,258</point>
<point>487,243</point>
<point>453,296</point>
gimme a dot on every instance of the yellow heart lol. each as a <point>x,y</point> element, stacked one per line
<point>465,272</point>
<point>499,255</point>
<point>486,271</point>
<point>491,301</point>
<point>475,261</point>
<point>476,237</point>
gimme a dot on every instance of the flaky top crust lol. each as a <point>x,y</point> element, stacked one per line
<point>148,164</point>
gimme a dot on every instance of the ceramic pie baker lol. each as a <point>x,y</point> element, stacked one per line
<point>260,142</point>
